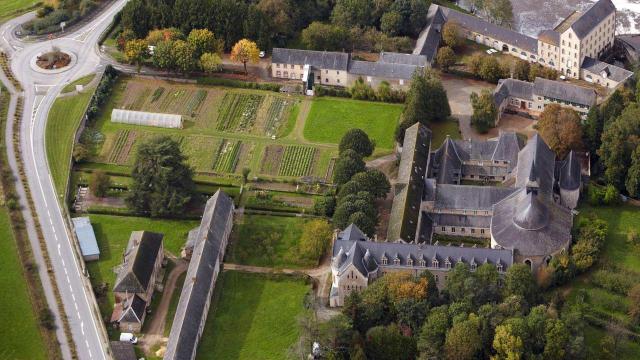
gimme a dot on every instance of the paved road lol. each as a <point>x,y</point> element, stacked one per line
<point>40,91</point>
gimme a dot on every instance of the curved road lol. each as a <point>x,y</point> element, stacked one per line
<point>40,91</point>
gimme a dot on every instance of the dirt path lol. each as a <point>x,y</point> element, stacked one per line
<point>298,130</point>
<point>159,319</point>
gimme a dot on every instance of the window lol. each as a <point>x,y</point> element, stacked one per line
<point>384,261</point>
<point>435,263</point>
<point>286,74</point>
<point>318,78</point>
<point>326,71</point>
<point>301,67</point>
<point>401,81</point>
<point>410,262</point>
<point>499,266</point>
<point>338,80</point>
<point>447,264</point>
<point>461,229</point>
<point>473,231</point>
<point>326,80</point>
<point>278,73</point>
<point>301,76</point>
<point>292,66</point>
<point>396,261</point>
<point>277,65</point>
<point>337,72</point>
<point>453,229</point>
<point>444,229</point>
<point>481,231</point>
<point>473,266</point>
<point>368,78</point>
<point>423,263</point>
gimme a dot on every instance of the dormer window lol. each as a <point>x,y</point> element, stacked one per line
<point>423,263</point>
<point>396,261</point>
<point>473,266</point>
<point>384,260</point>
<point>447,264</point>
<point>499,266</point>
<point>410,262</point>
<point>435,263</point>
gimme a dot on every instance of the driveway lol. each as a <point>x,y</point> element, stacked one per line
<point>458,91</point>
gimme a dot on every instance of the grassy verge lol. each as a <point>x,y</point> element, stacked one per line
<point>81,81</point>
<point>270,241</point>
<point>330,118</point>
<point>254,317</point>
<point>12,8</point>
<point>112,233</point>
<point>64,119</point>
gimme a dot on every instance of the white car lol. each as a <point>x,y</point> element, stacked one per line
<point>262,54</point>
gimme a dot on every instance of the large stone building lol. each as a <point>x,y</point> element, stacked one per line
<point>517,196</point>
<point>205,264</point>
<point>531,98</point>
<point>136,280</point>
<point>572,48</point>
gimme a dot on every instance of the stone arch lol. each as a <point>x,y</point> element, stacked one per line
<point>528,263</point>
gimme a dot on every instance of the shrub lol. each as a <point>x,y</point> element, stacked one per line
<point>239,84</point>
<point>595,195</point>
<point>611,195</point>
<point>617,282</point>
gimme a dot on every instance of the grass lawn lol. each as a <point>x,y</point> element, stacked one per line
<point>254,317</point>
<point>270,241</point>
<point>64,118</point>
<point>13,8</point>
<point>81,81</point>
<point>330,118</point>
<point>112,233</point>
<point>20,326</point>
<point>440,130</point>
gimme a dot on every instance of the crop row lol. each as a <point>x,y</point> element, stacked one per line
<point>275,115</point>
<point>297,161</point>
<point>238,111</point>
<point>227,156</point>
<point>118,146</point>
<point>195,101</point>
<point>156,94</point>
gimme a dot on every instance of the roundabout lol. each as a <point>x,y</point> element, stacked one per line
<point>53,62</point>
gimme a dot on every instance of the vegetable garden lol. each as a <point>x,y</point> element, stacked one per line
<point>297,161</point>
<point>226,159</point>
<point>238,112</point>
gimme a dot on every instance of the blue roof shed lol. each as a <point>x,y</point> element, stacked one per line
<point>86,238</point>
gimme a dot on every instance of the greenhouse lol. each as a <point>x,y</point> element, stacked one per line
<point>146,118</point>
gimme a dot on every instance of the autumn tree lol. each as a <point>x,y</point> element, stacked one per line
<point>391,23</point>
<point>183,56</point>
<point>452,35</point>
<point>136,51</point>
<point>508,342</point>
<point>204,41</point>
<point>445,58</point>
<point>560,128</point>
<point>485,112</point>
<point>210,62</point>
<point>245,51</point>
<point>163,55</point>
<point>463,341</point>
<point>157,36</point>
<point>315,239</point>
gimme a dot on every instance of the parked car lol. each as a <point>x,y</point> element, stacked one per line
<point>128,337</point>
<point>262,54</point>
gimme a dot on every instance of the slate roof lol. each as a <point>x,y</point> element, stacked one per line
<point>549,36</point>
<point>381,69</point>
<point>401,58</point>
<point>320,59</point>
<point>565,91</point>
<point>461,220</point>
<point>134,309</point>
<point>536,164</point>
<point>355,252</point>
<point>86,236</point>
<point>512,87</point>
<point>352,232</point>
<point>198,284</point>
<point>613,72</point>
<point>484,27</point>
<point>592,17</point>
<point>570,172</point>
<point>531,224</point>
<point>140,257</point>
<point>507,149</point>
<point>122,350</point>
<point>446,163</point>
<point>469,197</point>
<point>429,38</point>
<point>403,220</point>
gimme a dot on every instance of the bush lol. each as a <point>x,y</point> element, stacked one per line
<point>611,195</point>
<point>239,84</point>
<point>331,91</point>
<point>595,195</point>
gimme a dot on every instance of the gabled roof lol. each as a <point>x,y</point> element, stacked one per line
<point>86,236</point>
<point>513,87</point>
<point>592,17</point>
<point>549,36</point>
<point>401,58</point>
<point>446,162</point>
<point>122,350</point>
<point>429,38</point>
<point>134,309</point>
<point>382,69</point>
<point>507,149</point>
<point>204,265</point>
<point>469,197</point>
<point>612,72</point>
<point>570,172</point>
<point>565,91</point>
<point>352,232</point>
<point>536,164</point>
<point>142,251</point>
<point>320,59</point>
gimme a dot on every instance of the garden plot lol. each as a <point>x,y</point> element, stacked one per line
<point>273,113</point>
<point>122,146</point>
<point>297,161</point>
<point>198,150</point>
<point>271,160</point>
<point>238,112</point>
<point>226,159</point>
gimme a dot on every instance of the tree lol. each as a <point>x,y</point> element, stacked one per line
<point>245,174</point>
<point>358,209</point>
<point>315,239</point>
<point>499,11</point>
<point>391,23</point>
<point>100,183</point>
<point>245,51</point>
<point>592,129</point>
<point>452,35</point>
<point>426,101</point>
<point>183,56</point>
<point>353,13</point>
<point>560,128</point>
<point>433,333</point>
<point>485,112</point>
<point>463,340</point>
<point>361,90</point>
<point>80,153</point>
<point>445,58</point>
<point>632,184</point>
<point>204,41</point>
<point>557,339</point>
<point>325,205</point>
<point>634,304</point>
<point>372,181</point>
<point>157,36</point>
<point>619,140</point>
<point>519,281</point>
<point>521,70</point>
<point>163,56</point>
<point>320,36</point>
<point>162,181</point>
<point>279,13</point>
<point>388,343</point>
<point>348,164</point>
<point>490,69</point>
<point>508,343</point>
<point>136,51</point>
<point>210,62</point>
<point>358,141</point>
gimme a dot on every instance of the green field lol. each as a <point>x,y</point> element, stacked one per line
<point>112,233</point>
<point>13,8</point>
<point>330,118</point>
<point>81,81</point>
<point>20,325</point>
<point>270,241</point>
<point>254,317</point>
<point>64,118</point>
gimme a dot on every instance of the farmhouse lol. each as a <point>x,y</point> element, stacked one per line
<point>338,69</point>
<point>521,203</point>
<point>136,280</point>
<point>572,47</point>
<point>205,264</point>
<point>531,98</point>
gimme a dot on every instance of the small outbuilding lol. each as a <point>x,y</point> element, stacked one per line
<point>145,118</point>
<point>86,238</point>
<point>123,350</point>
